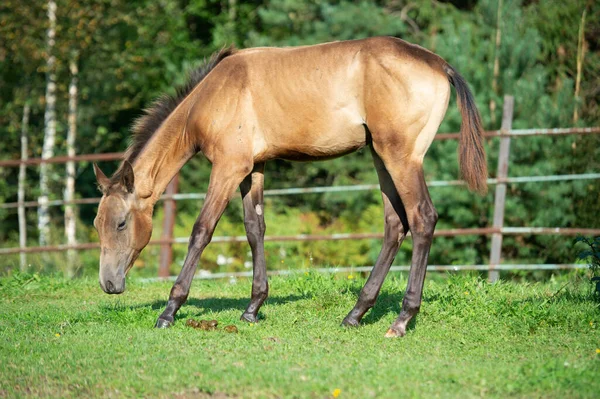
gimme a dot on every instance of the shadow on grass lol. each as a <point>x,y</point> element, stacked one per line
<point>386,303</point>
<point>223,304</point>
<point>204,305</point>
<point>391,303</point>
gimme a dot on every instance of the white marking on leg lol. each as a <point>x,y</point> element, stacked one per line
<point>258,210</point>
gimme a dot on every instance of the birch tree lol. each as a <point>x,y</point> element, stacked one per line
<point>49,127</point>
<point>69,195</point>
<point>21,189</point>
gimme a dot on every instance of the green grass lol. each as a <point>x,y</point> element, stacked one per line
<point>63,338</point>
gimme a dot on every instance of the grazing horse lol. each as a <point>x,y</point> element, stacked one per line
<point>246,107</point>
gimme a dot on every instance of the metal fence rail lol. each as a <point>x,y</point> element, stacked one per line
<point>322,189</point>
<point>497,231</point>
<point>115,156</point>
<point>208,275</point>
<point>327,237</point>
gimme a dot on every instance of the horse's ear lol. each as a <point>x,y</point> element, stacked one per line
<point>127,178</point>
<point>103,181</point>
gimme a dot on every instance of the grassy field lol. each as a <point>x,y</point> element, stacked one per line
<point>63,338</point>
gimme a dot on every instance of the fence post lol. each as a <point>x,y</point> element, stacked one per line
<point>166,249</point>
<point>500,195</point>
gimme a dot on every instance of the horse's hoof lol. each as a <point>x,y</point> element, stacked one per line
<point>249,317</point>
<point>391,333</point>
<point>162,323</point>
<point>350,322</point>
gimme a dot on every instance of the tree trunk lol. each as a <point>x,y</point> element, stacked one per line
<point>580,58</point>
<point>496,66</point>
<point>49,128</point>
<point>232,10</point>
<point>21,189</point>
<point>70,216</point>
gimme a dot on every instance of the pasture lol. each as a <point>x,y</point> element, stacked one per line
<point>66,338</point>
<point>76,78</point>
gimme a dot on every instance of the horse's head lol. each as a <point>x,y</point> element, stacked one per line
<point>124,224</point>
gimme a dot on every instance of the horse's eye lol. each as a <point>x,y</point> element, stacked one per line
<point>121,225</point>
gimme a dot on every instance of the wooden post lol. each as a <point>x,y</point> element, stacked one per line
<point>500,196</point>
<point>166,250</point>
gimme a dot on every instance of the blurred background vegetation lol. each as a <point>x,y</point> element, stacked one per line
<point>129,52</point>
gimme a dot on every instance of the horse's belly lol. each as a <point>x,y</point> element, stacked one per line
<point>316,144</point>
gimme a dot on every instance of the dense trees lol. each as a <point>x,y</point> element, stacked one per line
<point>126,53</point>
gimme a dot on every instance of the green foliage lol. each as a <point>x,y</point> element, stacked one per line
<point>65,338</point>
<point>293,23</point>
<point>130,52</point>
<point>592,256</point>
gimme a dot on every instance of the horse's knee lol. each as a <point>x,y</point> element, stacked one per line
<point>200,237</point>
<point>394,229</point>
<point>393,223</point>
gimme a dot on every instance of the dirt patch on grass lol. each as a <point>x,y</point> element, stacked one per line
<point>198,394</point>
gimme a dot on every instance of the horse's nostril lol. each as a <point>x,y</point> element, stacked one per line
<point>109,286</point>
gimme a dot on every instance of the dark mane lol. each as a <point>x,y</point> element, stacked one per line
<point>145,126</point>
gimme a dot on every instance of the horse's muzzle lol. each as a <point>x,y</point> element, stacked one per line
<point>113,287</point>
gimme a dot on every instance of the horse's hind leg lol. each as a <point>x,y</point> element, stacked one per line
<point>254,220</point>
<point>404,164</point>
<point>224,179</point>
<point>395,232</point>
<point>422,218</point>
<point>401,137</point>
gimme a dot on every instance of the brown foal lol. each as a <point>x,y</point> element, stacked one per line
<point>246,107</point>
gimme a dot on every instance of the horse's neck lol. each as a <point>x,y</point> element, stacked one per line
<point>162,157</point>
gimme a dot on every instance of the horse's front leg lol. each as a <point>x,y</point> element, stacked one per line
<point>224,180</point>
<point>252,195</point>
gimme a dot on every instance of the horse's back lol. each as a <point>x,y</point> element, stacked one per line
<point>314,101</point>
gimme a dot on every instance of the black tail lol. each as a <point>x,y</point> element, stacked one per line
<point>471,154</point>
